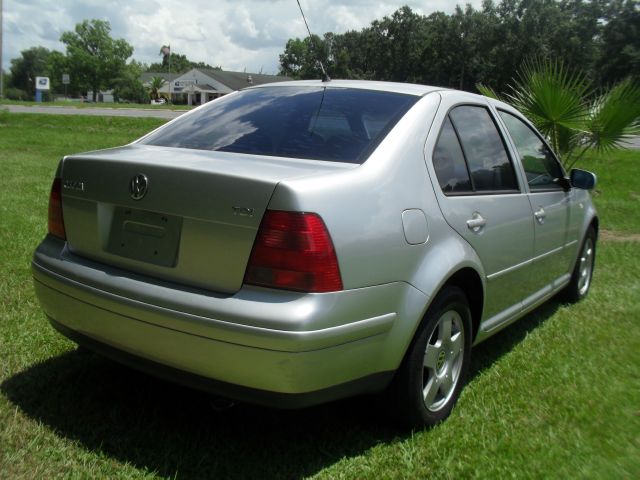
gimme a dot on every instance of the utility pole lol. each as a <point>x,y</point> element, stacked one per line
<point>1,70</point>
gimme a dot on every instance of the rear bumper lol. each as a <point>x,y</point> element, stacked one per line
<point>265,346</point>
<point>370,383</point>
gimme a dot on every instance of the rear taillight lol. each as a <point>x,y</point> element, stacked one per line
<point>56,221</point>
<point>293,251</point>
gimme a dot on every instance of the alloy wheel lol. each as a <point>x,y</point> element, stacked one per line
<point>443,360</point>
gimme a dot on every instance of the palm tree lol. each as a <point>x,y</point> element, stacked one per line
<point>570,112</point>
<point>155,86</point>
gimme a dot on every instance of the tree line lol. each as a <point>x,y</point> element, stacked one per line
<point>94,61</point>
<point>472,46</point>
<point>459,50</point>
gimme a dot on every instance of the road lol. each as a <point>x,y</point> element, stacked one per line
<point>97,111</point>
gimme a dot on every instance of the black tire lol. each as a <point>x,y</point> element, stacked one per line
<point>580,283</point>
<point>424,396</point>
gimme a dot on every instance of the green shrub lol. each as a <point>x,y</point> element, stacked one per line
<point>16,94</point>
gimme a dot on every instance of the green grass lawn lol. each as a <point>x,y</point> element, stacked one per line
<point>556,395</point>
<point>617,194</point>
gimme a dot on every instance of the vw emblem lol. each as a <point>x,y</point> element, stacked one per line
<point>138,186</point>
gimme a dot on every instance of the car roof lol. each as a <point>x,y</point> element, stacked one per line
<point>469,96</point>
<point>406,88</point>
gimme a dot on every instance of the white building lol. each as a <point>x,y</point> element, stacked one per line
<point>198,85</point>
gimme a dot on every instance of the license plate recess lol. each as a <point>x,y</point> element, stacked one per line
<point>145,236</point>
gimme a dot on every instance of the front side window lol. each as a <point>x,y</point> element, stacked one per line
<point>319,123</point>
<point>540,165</point>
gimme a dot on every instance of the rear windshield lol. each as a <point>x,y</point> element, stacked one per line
<point>319,123</point>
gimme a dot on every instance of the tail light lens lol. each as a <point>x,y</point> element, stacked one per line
<point>293,251</point>
<point>56,221</point>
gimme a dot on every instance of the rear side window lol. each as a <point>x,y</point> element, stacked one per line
<point>540,165</point>
<point>449,163</point>
<point>319,123</point>
<point>484,149</point>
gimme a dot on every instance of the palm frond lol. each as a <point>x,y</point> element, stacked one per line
<point>614,117</point>
<point>552,97</point>
<point>564,107</point>
<point>488,91</point>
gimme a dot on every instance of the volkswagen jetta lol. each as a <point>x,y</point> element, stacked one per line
<point>300,242</point>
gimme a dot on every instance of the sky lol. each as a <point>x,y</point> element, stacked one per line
<point>236,35</point>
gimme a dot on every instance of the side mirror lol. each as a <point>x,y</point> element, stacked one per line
<point>582,179</point>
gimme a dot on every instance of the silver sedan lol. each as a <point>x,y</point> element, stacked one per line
<point>295,243</point>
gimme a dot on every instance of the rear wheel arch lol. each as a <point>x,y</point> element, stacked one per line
<point>467,285</point>
<point>429,380</point>
<point>469,281</point>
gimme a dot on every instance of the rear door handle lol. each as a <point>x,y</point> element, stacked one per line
<point>540,215</point>
<point>476,222</point>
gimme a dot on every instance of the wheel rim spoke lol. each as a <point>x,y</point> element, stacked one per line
<point>445,328</point>
<point>431,357</point>
<point>456,346</point>
<point>431,390</point>
<point>446,384</point>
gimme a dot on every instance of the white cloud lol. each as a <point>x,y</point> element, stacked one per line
<point>242,34</point>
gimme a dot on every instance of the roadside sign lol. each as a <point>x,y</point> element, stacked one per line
<point>42,83</point>
<point>65,79</point>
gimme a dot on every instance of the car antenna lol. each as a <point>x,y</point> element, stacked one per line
<point>325,77</point>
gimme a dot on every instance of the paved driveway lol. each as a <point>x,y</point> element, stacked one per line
<point>635,142</point>
<point>97,111</point>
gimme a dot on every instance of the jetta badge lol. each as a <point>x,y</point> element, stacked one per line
<point>138,186</point>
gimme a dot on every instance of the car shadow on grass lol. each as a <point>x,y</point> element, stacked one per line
<point>177,432</point>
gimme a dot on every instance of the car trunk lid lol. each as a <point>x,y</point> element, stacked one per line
<point>195,220</point>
